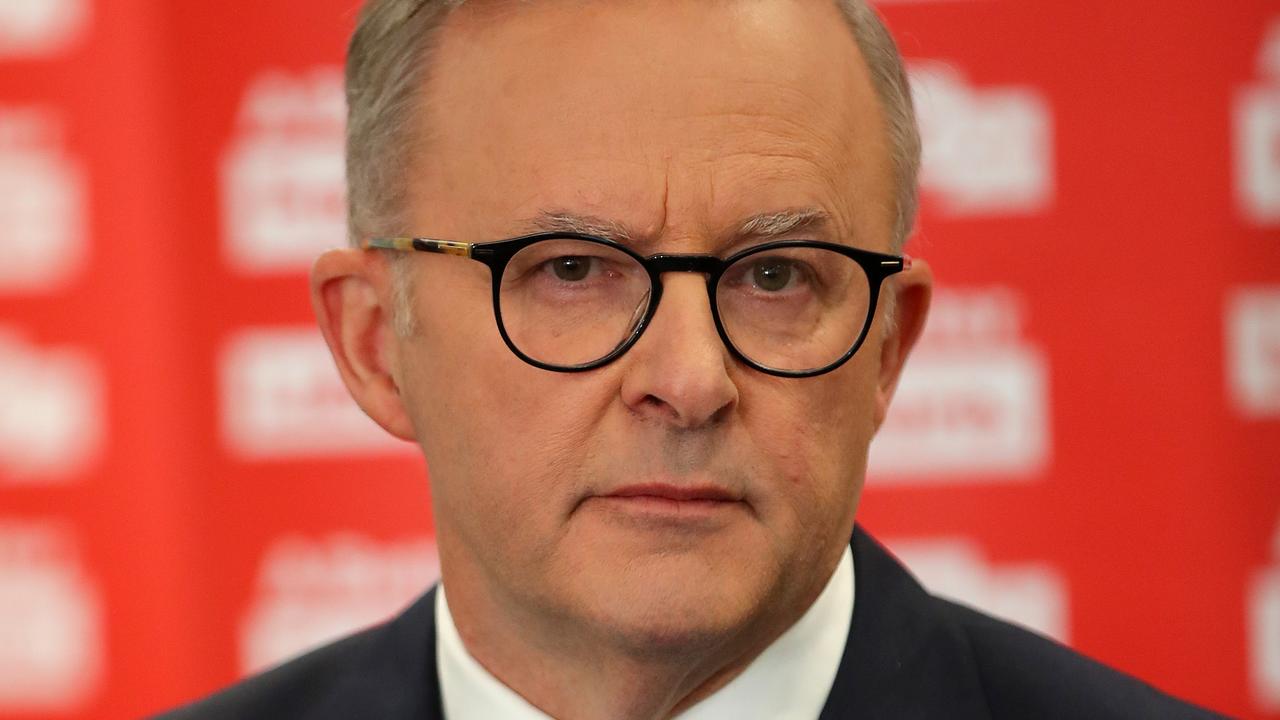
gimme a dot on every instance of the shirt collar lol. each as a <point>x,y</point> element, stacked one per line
<point>789,680</point>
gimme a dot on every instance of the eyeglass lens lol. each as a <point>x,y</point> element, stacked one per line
<point>793,308</point>
<point>568,302</point>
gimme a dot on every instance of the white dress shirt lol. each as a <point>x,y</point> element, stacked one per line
<point>790,680</point>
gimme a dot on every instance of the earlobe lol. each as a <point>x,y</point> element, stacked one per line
<point>351,297</point>
<point>914,290</point>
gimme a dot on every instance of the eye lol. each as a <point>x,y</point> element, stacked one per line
<point>774,274</point>
<point>571,268</point>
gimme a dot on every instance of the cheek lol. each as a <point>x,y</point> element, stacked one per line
<point>502,439</point>
<point>843,417</point>
<point>813,434</point>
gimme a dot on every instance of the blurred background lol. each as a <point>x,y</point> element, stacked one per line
<point>1088,441</point>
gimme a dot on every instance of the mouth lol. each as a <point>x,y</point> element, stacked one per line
<point>709,493</point>
<point>665,504</point>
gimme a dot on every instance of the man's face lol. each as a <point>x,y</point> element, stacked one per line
<point>677,120</point>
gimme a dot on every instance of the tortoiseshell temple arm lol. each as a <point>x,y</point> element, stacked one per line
<point>446,247</point>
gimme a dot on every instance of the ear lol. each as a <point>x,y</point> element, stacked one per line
<point>351,294</point>
<point>914,289</point>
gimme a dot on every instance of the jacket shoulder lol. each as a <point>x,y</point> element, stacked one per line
<point>1024,674</point>
<point>291,690</point>
<point>387,671</point>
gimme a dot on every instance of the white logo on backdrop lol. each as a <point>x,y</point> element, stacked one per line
<point>38,28</point>
<point>283,397</point>
<point>1031,594</point>
<point>974,398</point>
<point>283,198</point>
<point>51,420</point>
<point>51,635</point>
<point>1253,350</point>
<point>1257,136</point>
<point>42,213</point>
<point>987,151</point>
<point>311,591</point>
<point>1264,630</point>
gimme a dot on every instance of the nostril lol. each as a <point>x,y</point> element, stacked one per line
<point>655,407</point>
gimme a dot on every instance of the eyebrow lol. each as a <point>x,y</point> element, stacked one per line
<point>775,224</point>
<point>562,221</point>
<point>759,227</point>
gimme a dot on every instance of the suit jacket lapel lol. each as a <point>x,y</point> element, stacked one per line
<point>397,678</point>
<point>904,658</point>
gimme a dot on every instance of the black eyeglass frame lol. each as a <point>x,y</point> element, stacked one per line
<point>497,254</point>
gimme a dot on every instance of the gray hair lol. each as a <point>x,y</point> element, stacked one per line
<point>387,65</point>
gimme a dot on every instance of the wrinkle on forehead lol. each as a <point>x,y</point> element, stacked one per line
<point>591,108</point>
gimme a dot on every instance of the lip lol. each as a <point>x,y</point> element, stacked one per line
<point>706,493</point>
<point>669,505</point>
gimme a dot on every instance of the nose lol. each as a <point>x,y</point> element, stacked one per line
<point>678,372</point>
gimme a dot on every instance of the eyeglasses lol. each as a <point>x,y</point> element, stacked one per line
<point>570,302</point>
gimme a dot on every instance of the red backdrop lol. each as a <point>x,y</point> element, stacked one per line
<point>1088,442</point>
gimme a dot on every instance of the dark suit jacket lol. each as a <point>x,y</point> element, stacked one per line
<point>909,655</point>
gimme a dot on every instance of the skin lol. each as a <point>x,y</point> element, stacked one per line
<point>676,120</point>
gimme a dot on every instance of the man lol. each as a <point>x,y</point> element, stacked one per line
<point>657,315</point>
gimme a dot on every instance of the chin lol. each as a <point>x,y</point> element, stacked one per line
<point>672,605</point>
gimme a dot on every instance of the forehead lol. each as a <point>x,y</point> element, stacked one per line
<point>667,116</point>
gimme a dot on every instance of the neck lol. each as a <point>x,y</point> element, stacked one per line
<point>568,672</point>
<point>571,678</point>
